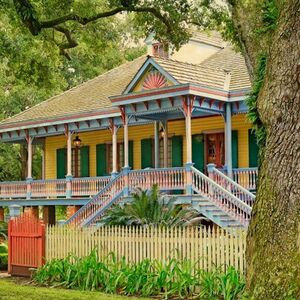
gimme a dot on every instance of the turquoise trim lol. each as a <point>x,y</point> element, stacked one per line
<point>42,202</point>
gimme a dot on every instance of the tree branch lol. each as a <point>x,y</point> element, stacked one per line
<point>71,42</point>
<point>29,18</point>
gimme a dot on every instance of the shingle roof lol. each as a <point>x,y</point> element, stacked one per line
<point>213,38</point>
<point>228,59</point>
<point>191,73</point>
<point>93,95</point>
<point>89,96</point>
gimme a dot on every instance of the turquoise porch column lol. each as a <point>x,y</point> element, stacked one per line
<point>228,139</point>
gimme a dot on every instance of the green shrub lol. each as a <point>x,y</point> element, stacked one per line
<point>3,230</point>
<point>172,278</point>
<point>3,255</point>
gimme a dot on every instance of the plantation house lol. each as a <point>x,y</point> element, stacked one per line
<point>176,119</point>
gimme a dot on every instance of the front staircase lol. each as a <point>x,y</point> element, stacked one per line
<point>222,200</point>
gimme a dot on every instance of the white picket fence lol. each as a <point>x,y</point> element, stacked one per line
<point>210,248</point>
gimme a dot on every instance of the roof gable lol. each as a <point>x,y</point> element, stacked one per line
<point>150,75</point>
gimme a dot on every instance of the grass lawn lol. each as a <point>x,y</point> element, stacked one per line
<point>10,289</point>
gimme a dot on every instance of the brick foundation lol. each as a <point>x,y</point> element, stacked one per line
<point>71,210</point>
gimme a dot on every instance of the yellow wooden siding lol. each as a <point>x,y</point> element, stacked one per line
<point>136,133</point>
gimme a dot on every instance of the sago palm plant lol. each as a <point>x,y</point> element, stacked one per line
<point>149,207</point>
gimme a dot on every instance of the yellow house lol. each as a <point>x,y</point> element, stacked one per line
<point>173,118</point>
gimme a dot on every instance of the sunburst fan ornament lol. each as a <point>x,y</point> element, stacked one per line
<point>154,81</point>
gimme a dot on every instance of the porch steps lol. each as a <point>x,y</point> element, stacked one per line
<point>209,198</point>
<point>215,214</point>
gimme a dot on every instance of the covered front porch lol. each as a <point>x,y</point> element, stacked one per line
<point>165,156</point>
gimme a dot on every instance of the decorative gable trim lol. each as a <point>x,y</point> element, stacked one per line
<point>149,62</point>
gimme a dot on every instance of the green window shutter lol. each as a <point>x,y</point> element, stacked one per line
<point>130,157</point>
<point>61,162</point>
<point>146,153</point>
<point>198,151</point>
<point>234,145</point>
<point>101,169</point>
<point>177,151</point>
<point>253,149</point>
<point>84,161</point>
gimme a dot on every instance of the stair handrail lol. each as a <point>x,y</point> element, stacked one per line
<point>94,198</point>
<point>236,185</point>
<point>236,202</point>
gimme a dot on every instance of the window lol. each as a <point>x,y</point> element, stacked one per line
<point>160,50</point>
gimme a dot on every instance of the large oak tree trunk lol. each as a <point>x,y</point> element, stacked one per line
<point>273,249</point>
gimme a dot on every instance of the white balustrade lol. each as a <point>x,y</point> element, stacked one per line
<point>228,202</point>
<point>246,177</point>
<point>166,179</point>
<point>48,188</point>
<point>99,202</point>
<point>233,187</point>
<point>13,189</point>
<point>88,186</point>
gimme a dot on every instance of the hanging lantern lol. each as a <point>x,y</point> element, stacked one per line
<point>161,132</point>
<point>77,141</point>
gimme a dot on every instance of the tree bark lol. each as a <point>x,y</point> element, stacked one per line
<point>273,245</point>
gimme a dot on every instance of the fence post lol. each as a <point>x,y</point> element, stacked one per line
<point>9,245</point>
<point>41,247</point>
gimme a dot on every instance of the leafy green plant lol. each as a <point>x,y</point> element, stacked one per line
<point>149,207</point>
<point>3,230</point>
<point>172,278</point>
<point>3,255</point>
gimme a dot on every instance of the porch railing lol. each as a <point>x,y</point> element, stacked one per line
<point>246,177</point>
<point>13,189</point>
<point>233,187</point>
<point>48,188</point>
<point>84,187</point>
<point>88,186</point>
<point>228,202</point>
<point>167,178</point>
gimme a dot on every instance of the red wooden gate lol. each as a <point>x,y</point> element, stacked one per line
<point>26,242</point>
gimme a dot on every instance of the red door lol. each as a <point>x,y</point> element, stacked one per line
<point>215,149</point>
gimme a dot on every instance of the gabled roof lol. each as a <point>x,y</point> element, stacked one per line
<point>93,95</point>
<point>228,59</point>
<point>89,96</point>
<point>212,38</point>
<point>191,73</point>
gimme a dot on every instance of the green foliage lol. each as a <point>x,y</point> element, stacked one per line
<point>173,278</point>
<point>32,69</point>
<point>3,255</point>
<point>270,15</point>
<point>149,207</point>
<point>3,230</point>
<point>253,114</point>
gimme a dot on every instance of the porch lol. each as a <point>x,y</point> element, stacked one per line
<point>79,188</point>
